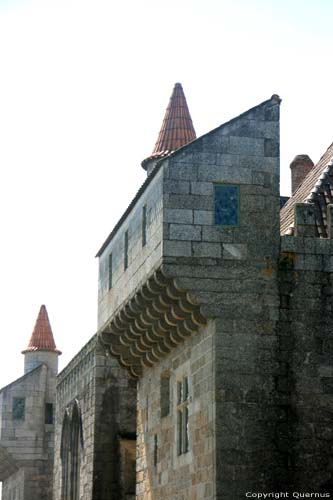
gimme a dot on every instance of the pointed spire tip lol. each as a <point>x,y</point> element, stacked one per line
<point>42,336</point>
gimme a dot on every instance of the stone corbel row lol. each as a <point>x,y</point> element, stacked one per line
<point>159,317</point>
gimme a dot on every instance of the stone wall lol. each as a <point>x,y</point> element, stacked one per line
<point>305,387</point>
<point>230,270</point>
<point>106,399</point>
<point>162,472</point>
<point>141,258</point>
<point>232,273</point>
<point>26,436</point>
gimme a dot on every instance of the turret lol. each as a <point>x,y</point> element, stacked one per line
<point>41,348</point>
<point>177,129</point>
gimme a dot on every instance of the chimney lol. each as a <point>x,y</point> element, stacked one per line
<point>300,167</point>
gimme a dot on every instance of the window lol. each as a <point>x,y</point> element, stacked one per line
<point>165,395</point>
<point>144,225</point>
<point>48,413</point>
<point>110,272</point>
<point>182,416</point>
<point>226,205</point>
<point>126,250</point>
<point>155,450</point>
<point>70,452</point>
<point>18,408</point>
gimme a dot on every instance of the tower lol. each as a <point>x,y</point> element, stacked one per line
<point>27,421</point>
<point>176,131</point>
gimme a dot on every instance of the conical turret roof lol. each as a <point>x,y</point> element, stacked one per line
<point>42,336</point>
<point>177,128</point>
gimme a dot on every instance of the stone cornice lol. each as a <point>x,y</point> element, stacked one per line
<point>151,323</point>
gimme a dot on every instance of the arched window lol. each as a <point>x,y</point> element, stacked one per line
<point>65,458</point>
<point>75,453</point>
<point>70,451</point>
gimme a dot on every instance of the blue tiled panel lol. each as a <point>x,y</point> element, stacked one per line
<point>226,205</point>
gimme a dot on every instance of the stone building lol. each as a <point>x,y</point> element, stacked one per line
<point>26,420</point>
<point>223,314</point>
<point>213,357</point>
<point>95,438</point>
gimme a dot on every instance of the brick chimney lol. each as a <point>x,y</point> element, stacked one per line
<point>300,167</point>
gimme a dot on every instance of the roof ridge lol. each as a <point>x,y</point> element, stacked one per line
<point>306,192</point>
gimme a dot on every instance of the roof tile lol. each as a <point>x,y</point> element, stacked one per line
<point>177,128</point>
<point>42,336</point>
<point>316,188</point>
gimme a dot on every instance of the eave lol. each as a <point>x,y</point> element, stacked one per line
<point>155,320</point>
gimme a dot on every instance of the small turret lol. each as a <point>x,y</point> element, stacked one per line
<point>177,129</point>
<point>41,347</point>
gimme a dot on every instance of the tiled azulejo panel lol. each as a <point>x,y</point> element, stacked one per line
<point>226,205</point>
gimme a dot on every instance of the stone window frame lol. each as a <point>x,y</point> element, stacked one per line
<point>183,370</point>
<point>71,452</point>
<point>182,414</point>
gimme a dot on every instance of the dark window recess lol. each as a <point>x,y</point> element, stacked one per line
<point>165,395</point>
<point>18,408</point>
<point>226,205</point>
<point>183,416</point>
<point>144,225</point>
<point>48,413</point>
<point>126,250</point>
<point>110,271</point>
<point>155,450</point>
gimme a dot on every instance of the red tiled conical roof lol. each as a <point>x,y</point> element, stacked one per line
<point>177,128</point>
<point>42,336</point>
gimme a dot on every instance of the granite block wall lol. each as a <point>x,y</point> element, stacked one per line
<point>232,272</point>
<point>26,437</point>
<point>161,471</point>
<point>305,432</point>
<point>106,399</point>
<point>141,259</point>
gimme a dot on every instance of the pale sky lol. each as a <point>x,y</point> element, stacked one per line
<point>83,90</point>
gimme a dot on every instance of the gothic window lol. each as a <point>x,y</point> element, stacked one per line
<point>71,444</point>
<point>65,458</point>
<point>226,205</point>
<point>18,408</point>
<point>183,416</point>
<point>75,454</point>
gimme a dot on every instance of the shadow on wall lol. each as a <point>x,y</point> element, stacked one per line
<point>115,444</point>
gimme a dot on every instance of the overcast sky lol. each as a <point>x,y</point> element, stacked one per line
<point>83,90</point>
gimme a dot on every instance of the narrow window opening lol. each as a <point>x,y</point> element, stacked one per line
<point>126,250</point>
<point>48,413</point>
<point>144,225</point>
<point>165,395</point>
<point>155,450</point>
<point>110,271</point>
<point>183,439</point>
